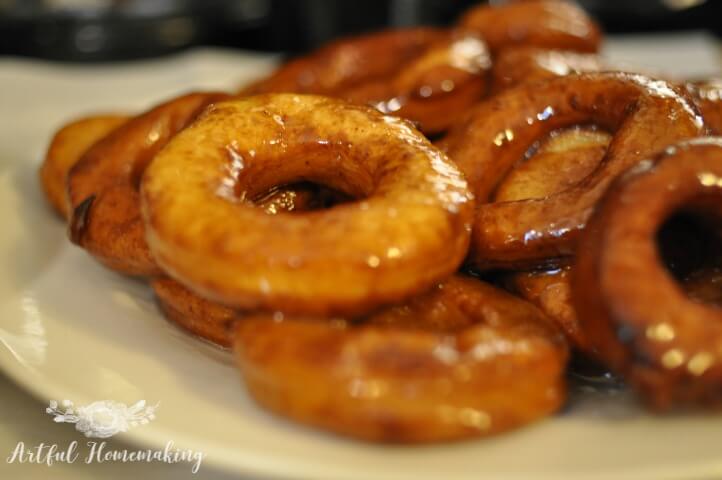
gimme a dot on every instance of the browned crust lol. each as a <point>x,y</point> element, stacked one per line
<point>462,360</point>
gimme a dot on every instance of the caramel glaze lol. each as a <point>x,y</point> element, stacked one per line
<point>112,229</point>
<point>408,227</point>
<point>422,74</point>
<point>643,324</point>
<point>66,147</point>
<point>513,66</point>
<point>645,115</point>
<point>542,23</point>
<point>462,360</point>
<point>560,161</point>
<point>212,321</point>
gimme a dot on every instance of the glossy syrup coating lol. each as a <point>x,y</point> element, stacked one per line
<point>513,66</point>
<point>557,163</point>
<point>408,228</point>
<point>422,74</point>
<point>65,149</point>
<point>644,114</point>
<point>462,360</point>
<point>212,321</point>
<point>542,23</point>
<point>102,186</point>
<point>645,327</point>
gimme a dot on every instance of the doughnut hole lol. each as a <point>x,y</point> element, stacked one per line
<point>690,245</point>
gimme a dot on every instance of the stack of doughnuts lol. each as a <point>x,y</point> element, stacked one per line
<point>404,235</point>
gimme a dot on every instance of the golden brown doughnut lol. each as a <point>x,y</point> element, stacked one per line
<point>645,115</point>
<point>66,147</point>
<point>422,74</point>
<point>558,163</point>
<point>643,324</point>
<point>212,321</point>
<point>543,23</point>
<point>523,64</point>
<point>462,360</point>
<point>408,228</point>
<point>103,184</point>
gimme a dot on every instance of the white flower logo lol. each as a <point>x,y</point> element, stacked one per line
<point>104,418</point>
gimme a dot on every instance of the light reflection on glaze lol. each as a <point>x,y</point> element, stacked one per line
<point>709,179</point>
<point>470,54</point>
<point>233,169</point>
<point>455,374</point>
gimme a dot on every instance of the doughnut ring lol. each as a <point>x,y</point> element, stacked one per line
<point>408,229</point>
<point>212,321</point>
<point>559,162</point>
<point>514,66</point>
<point>66,147</point>
<point>464,359</point>
<point>102,186</point>
<point>543,23</point>
<point>644,326</point>
<point>422,74</point>
<point>646,115</point>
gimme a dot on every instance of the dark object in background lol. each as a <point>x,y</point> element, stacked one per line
<point>97,30</point>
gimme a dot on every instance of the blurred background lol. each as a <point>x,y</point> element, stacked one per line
<point>107,30</point>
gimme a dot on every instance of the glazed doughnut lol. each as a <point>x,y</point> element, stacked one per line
<point>523,64</point>
<point>408,228</point>
<point>211,321</point>
<point>348,62</point>
<point>542,23</point>
<point>421,74</point>
<point>103,184</point>
<point>558,163</point>
<point>667,345</point>
<point>644,114</point>
<point>465,359</point>
<point>66,147</point>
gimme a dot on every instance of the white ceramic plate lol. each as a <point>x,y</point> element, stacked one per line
<point>71,329</point>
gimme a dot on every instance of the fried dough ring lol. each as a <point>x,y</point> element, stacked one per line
<point>543,23</point>
<point>514,66</point>
<point>103,184</point>
<point>411,229</point>
<point>211,321</point>
<point>66,148</point>
<point>464,359</point>
<point>560,162</point>
<point>422,74</point>
<point>645,115</point>
<point>645,327</point>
